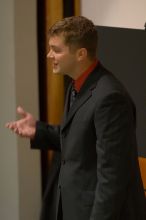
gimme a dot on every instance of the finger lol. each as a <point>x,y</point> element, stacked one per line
<point>10,125</point>
<point>21,111</point>
<point>16,130</point>
<point>20,133</point>
<point>14,127</point>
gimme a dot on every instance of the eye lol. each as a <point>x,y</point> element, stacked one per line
<point>57,50</point>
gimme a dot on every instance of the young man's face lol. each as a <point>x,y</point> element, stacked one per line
<point>63,60</point>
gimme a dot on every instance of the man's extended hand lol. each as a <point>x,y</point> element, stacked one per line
<point>26,126</point>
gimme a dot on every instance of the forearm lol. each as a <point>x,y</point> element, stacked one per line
<point>46,137</point>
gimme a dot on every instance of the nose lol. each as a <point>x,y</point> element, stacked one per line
<point>50,54</point>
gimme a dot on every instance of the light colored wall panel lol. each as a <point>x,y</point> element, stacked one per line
<point>20,179</point>
<point>116,13</point>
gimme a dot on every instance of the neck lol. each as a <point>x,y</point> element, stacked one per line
<point>81,69</point>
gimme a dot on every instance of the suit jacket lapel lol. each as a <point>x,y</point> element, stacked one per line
<point>66,103</point>
<point>84,94</point>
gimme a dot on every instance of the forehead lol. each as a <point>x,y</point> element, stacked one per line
<point>57,40</point>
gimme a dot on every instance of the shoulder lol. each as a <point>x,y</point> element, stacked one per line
<point>108,84</point>
<point>109,87</point>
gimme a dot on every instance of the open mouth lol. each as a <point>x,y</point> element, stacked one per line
<point>55,65</point>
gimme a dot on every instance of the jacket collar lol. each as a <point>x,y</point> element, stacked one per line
<point>84,94</point>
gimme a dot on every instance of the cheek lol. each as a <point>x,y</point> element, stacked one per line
<point>66,61</point>
<point>61,58</point>
<point>72,61</point>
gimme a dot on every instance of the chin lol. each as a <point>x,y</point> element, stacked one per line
<point>55,71</point>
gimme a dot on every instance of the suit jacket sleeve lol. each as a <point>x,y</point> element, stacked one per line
<point>46,137</point>
<point>114,124</point>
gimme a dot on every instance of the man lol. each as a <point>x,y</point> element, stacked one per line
<point>99,175</point>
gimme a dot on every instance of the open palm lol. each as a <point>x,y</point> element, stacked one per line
<point>26,126</point>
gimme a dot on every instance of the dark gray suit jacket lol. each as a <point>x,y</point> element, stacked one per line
<point>99,174</point>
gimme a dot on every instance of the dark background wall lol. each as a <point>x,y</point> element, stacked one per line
<point>123,51</point>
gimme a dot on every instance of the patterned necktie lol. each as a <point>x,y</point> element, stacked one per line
<point>72,96</point>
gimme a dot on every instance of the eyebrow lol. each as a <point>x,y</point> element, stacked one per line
<point>54,47</point>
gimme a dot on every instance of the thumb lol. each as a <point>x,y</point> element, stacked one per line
<point>21,111</point>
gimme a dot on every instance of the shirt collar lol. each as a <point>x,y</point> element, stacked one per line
<point>80,81</point>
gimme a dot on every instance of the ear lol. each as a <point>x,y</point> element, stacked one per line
<point>81,54</point>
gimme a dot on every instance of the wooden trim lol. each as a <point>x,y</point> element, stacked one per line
<point>55,83</point>
<point>77,7</point>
